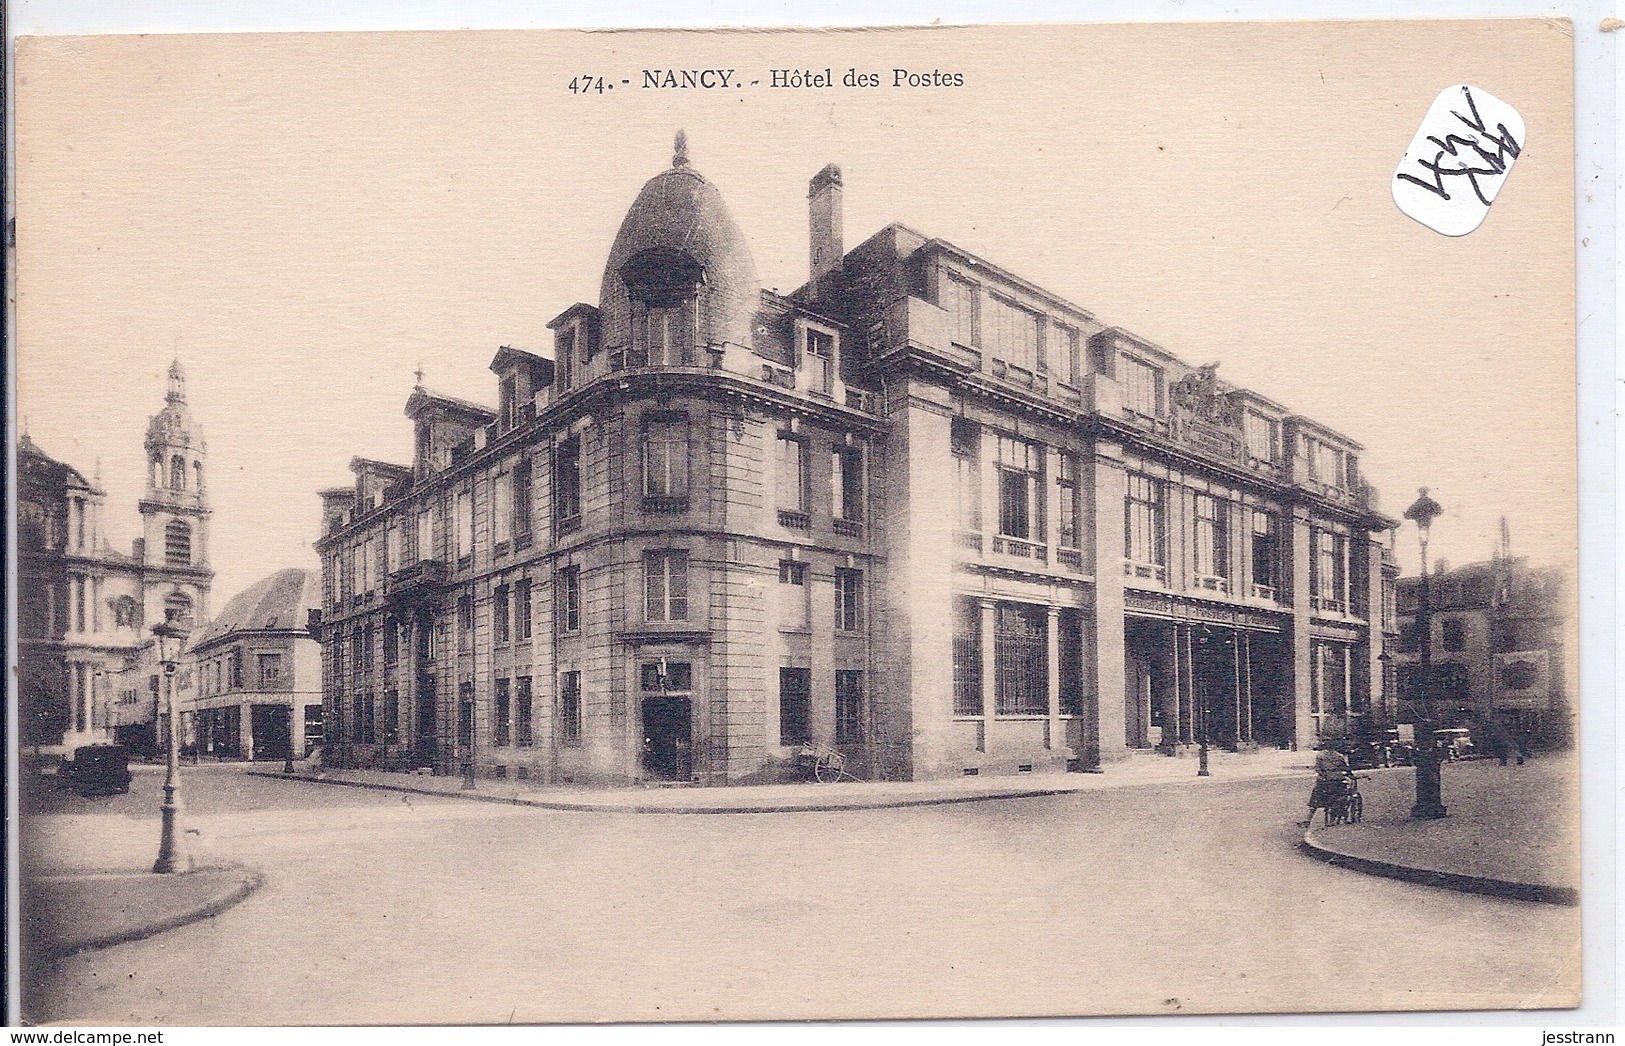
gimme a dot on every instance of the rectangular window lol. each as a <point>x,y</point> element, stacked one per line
<point>270,669</point>
<point>965,443</point>
<point>792,474</point>
<point>1142,387</point>
<point>665,458</point>
<point>962,301</point>
<point>521,499</point>
<point>1263,436</point>
<point>389,725</point>
<point>358,647</point>
<point>665,585</point>
<point>393,560</point>
<point>1453,634</point>
<point>564,356</point>
<point>967,658</point>
<point>523,735</point>
<point>666,677</point>
<point>570,708</point>
<point>521,609</point>
<point>465,526</point>
<point>392,642</point>
<point>1021,659</point>
<point>848,600</point>
<point>846,483</point>
<point>1266,553</point>
<point>1212,538</point>
<point>465,714</point>
<point>567,484</point>
<point>425,549</point>
<point>1014,334</point>
<point>793,609</point>
<point>795,706</point>
<point>820,360</point>
<point>662,337</point>
<point>507,402</point>
<point>1390,606</point>
<point>1329,568</point>
<point>1067,482</point>
<point>502,509</point>
<point>1021,489</point>
<point>1143,528</point>
<point>501,726</point>
<point>500,603</point>
<point>1070,358</point>
<point>1070,670</point>
<point>849,715</point>
<point>465,623</point>
<point>569,598</point>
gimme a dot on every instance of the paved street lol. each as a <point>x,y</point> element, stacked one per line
<point>1190,897</point>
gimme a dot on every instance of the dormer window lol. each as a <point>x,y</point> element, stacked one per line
<point>820,360</point>
<point>564,354</point>
<point>660,340</point>
<point>508,405</point>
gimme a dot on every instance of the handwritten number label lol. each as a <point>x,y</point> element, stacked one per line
<point>1456,163</point>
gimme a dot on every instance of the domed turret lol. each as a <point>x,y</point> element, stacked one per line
<point>680,275</point>
<point>173,428</point>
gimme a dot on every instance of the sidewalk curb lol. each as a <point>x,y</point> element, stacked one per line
<point>782,808</point>
<point>1479,884</point>
<point>250,880</point>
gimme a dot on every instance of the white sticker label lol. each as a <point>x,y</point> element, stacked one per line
<point>1456,163</point>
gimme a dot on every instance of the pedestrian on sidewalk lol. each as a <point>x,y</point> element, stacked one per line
<point>1331,774</point>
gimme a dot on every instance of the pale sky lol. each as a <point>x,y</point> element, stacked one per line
<point>305,218</point>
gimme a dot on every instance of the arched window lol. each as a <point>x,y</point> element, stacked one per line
<point>177,473</point>
<point>178,543</point>
<point>156,471</point>
<point>178,607</point>
<point>197,476</point>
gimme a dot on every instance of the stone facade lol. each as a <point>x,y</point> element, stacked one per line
<point>84,608</point>
<point>920,512</point>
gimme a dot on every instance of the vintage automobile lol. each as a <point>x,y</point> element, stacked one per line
<point>97,770</point>
<point>1454,742</point>
<point>1377,748</point>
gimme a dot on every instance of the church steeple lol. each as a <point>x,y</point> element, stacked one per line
<point>175,506</point>
<point>177,384</point>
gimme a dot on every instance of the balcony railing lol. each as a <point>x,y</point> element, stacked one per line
<point>1212,583</point>
<point>969,539</point>
<point>1328,606</point>
<point>1020,548</point>
<point>420,580</point>
<point>1070,558</point>
<point>1264,592</point>
<point>1145,571</point>
<point>849,528</point>
<point>793,519</point>
<point>665,504</point>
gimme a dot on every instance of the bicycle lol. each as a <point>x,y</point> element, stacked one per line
<point>1348,806</point>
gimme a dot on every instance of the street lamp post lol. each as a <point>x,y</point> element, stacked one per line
<point>1429,798</point>
<point>1199,698</point>
<point>287,764</point>
<point>173,855</point>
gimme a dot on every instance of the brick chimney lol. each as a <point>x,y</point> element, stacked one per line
<point>824,246</point>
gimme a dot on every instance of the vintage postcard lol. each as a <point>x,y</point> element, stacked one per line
<point>565,526</point>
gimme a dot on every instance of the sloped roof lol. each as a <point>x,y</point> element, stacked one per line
<point>278,602</point>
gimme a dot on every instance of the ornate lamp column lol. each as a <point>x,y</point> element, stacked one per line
<point>1429,798</point>
<point>173,856</point>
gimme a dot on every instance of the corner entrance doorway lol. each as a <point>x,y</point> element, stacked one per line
<point>273,736</point>
<point>667,736</point>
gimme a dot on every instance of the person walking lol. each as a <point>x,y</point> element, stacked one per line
<point>1331,774</point>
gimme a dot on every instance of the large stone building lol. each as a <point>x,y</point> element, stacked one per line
<point>1498,639</point>
<point>85,609</point>
<point>921,510</point>
<point>253,677</point>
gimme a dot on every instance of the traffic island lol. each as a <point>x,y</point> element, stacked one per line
<point>68,913</point>
<point>1512,831</point>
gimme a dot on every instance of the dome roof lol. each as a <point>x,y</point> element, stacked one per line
<point>679,219</point>
<point>36,467</point>
<point>278,602</point>
<point>173,426</point>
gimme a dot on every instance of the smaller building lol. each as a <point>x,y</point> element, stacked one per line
<point>1497,635</point>
<point>252,679</point>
